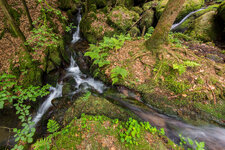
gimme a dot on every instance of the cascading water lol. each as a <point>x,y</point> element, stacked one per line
<point>76,35</point>
<point>213,136</point>
<point>78,76</point>
<point>174,26</point>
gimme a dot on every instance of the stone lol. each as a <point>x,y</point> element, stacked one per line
<point>147,20</point>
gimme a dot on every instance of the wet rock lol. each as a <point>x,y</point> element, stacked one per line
<point>189,6</point>
<point>205,27</point>
<point>122,18</point>
<point>83,62</point>
<point>68,88</point>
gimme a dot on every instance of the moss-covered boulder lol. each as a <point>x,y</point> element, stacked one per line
<point>122,18</point>
<point>147,19</point>
<point>94,26</point>
<point>97,106</point>
<point>149,5</point>
<point>98,3</point>
<point>189,6</point>
<point>137,9</point>
<point>134,32</point>
<point>187,23</point>
<point>221,11</point>
<point>205,28</point>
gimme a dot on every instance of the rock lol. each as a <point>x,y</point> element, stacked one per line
<point>50,66</point>
<point>147,20</point>
<point>98,3</point>
<point>68,88</point>
<point>215,58</point>
<point>33,77</point>
<point>221,11</point>
<point>204,28</point>
<point>189,6</point>
<point>134,32</point>
<point>186,24</point>
<point>95,105</point>
<point>122,18</point>
<point>137,9</point>
<point>149,5</point>
<point>94,26</point>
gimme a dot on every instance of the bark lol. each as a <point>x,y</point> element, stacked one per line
<point>5,7</point>
<point>27,13</point>
<point>160,35</point>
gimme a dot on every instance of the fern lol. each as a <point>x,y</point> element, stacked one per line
<point>52,126</point>
<point>86,96</point>
<point>117,73</point>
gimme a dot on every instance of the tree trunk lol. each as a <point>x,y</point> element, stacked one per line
<point>5,7</point>
<point>28,13</point>
<point>160,35</point>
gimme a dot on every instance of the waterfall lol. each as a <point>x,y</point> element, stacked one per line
<point>78,76</point>
<point>174,26</point>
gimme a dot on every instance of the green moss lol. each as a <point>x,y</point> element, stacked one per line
<point>100,132</point>
<point>205,28</point>
<point>134,32</point>
<point>33,77</point>
<point>137,9</point>
<point>147,19</point>
<point>189,6</point>
<point>122,18</point>
<point>149,5</point>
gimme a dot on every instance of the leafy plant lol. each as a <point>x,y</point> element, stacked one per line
<point>182,67</point>
<point>52,126</point>
<point>188,141</point>
<point>149,33</point>
<point>117,73</point>
<point>42,144</point>
<point>11,91</point>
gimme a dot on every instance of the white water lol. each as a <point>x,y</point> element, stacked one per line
<point>76,35</point>
<point>78,76</point>
<point>174,26</point>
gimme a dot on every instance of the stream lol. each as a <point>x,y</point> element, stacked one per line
<point>214,137</point>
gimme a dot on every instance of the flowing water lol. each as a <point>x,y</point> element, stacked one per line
<point>214,137</point>
<point>174,26</point>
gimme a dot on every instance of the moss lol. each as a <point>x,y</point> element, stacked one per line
<point>98,3</point>
<point>100,132</point>
<point>137,9</point>
<point>189,6</point>
<point>16,16</point>
<point>94,26</point>
<point>96,106</point>
<point>134,32</point>
<point>147,20</point>
<point>149,5</point>
<point>205,28</point>
<point>121,18</point>
<point>50,66</point>
<point>33,77</point>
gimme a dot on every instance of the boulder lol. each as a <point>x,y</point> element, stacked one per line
<point>205,27</point>
<point>122,18</point>
<point>189,6</point>
<point>147,20</point>
<point>149,5</point>
<point>134,32</point>
<point>187,23</point>
<point>94,26</point>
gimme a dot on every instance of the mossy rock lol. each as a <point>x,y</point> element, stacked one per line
<point>187,23</point>
<point>126,3</point>
<point>33,77</point>
<point>149,5</point>
<point>97,106</point>
<point>50,66</point>
<point>148,19</point>
<point>189,6</point>
<point>94,27</point>
<point>134,32</point>
<point>68,4</point>
<point>221,11</point>
<point>122,18</point>
<point>137,9</point>
<point>205,28</point>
